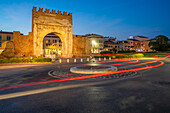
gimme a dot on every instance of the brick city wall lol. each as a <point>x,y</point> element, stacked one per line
<point>81,45</point>
<point>23,44</point>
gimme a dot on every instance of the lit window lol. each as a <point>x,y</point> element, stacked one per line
<point>46,41</point>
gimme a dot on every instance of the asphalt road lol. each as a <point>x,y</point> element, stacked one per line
<point>146,92</point>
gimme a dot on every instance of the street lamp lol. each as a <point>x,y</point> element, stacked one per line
<point>93,42</point>
<point>93,45</point>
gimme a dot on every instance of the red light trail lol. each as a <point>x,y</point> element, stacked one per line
<point>91,76</point>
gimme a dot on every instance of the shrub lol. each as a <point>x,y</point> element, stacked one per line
<point>122,56</point>
<point>150,54</point>
<point>25,60</point>
<point>130,56</point>
<point>113,56</point>
<point>136,55</point>
<point>103,56</point>
<point>42,59</point>
<point>106,52</point>
<point>128,51</point>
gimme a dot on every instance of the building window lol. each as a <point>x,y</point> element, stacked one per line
<point>0,44</point>
<point>8,38</point>
<point>46,41</point>
<point>100,41</point>
<point>100,45</point>
<point>0,37</point>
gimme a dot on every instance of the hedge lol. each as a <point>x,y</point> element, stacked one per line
<point>103,56</point>
<point>24,60</point>
<point>106,52</point>
<point>130,56</point>
<point>150,54</point>
<point>128,51</point>
<point>122,56</point>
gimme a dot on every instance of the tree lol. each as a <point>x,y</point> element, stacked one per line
<point>114,50</point>
<point>160,43</point>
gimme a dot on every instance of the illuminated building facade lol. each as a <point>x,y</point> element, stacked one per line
<point>52,45</point>
<point>96,42</point>
<point>4,37</point>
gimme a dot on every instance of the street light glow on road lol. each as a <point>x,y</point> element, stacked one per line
<point>94,75</point>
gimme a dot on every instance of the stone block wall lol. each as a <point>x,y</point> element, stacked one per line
<point>81,45</point>
<point>23,44</point>
<point>9,50</point>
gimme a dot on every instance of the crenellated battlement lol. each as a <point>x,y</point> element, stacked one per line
<point>52,11</point>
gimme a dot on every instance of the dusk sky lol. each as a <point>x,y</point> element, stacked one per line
<point>115,18</point>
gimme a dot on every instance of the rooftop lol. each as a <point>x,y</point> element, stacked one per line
<point>140,36</point>
<point>94,36</point>
<point>6,32</point>
<point>133,39</point>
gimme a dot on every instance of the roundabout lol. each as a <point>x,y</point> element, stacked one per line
<point>90,69</point>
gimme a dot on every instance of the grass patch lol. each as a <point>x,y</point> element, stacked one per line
<point>151,54</point>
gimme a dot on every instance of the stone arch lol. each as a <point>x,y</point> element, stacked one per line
<point>59,35</point>
<point>44,23</point>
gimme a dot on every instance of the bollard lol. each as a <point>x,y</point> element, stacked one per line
<point>104,58</point>
<point>99,59</point>
<point>67,60</point>
<point>81,60</point>
<point>74,60</point>
<point>87,59</point>
<point>109,58</point>
<point>60,61</point>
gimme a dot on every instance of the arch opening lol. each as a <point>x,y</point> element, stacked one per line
<point>52,45</point>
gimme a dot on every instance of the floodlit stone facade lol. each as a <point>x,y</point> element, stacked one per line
<point>4,38</point>
<point>23,44</point>
<point>43,23</point>
<point>81,45</point>
<point>96,42</point>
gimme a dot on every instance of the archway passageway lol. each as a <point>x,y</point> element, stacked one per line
<point>52,45</point>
